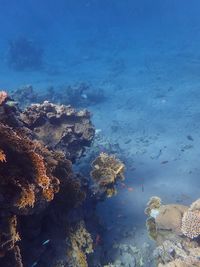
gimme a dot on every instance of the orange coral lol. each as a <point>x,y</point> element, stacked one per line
<point>42,179</point>
<point>48,193</point>
<point>3,96</point>
<point>41,175</point>
<point>2,156</point>
<point>27,198</point>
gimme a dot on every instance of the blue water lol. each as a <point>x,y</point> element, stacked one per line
<point>145,56</point>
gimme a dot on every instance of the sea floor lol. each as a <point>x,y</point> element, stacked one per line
<point>151,112</point>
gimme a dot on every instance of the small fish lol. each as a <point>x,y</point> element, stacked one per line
<point>189,137</point>
<point>84,96</point>
<point>34,264</point>
<point>130,189</point>
<point>127,141</point>
<point>46,242</point>
<point>164,162</point>
<point>119,216</point>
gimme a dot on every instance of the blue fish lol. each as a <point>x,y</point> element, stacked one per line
<point>46,242</point>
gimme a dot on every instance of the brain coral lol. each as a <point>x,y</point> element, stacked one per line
<point>191,224</point>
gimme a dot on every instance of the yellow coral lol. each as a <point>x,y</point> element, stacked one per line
<point>106,169</point>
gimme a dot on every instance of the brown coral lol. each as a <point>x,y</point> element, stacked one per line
<point>106,169</point>
<point>191,224</point>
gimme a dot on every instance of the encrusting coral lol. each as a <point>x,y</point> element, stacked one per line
<point>106,170</point>
<point>60,127</point>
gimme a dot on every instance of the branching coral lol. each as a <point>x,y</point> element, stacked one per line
<point>191,220</point>
<point>191,224</point>
<point>106,169</point>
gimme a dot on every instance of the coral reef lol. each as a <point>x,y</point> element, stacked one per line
<point>106,170</point>
<point>24,55</point>
<point>37,188</point>
<point>167,226</point>
<point>61,128</point>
